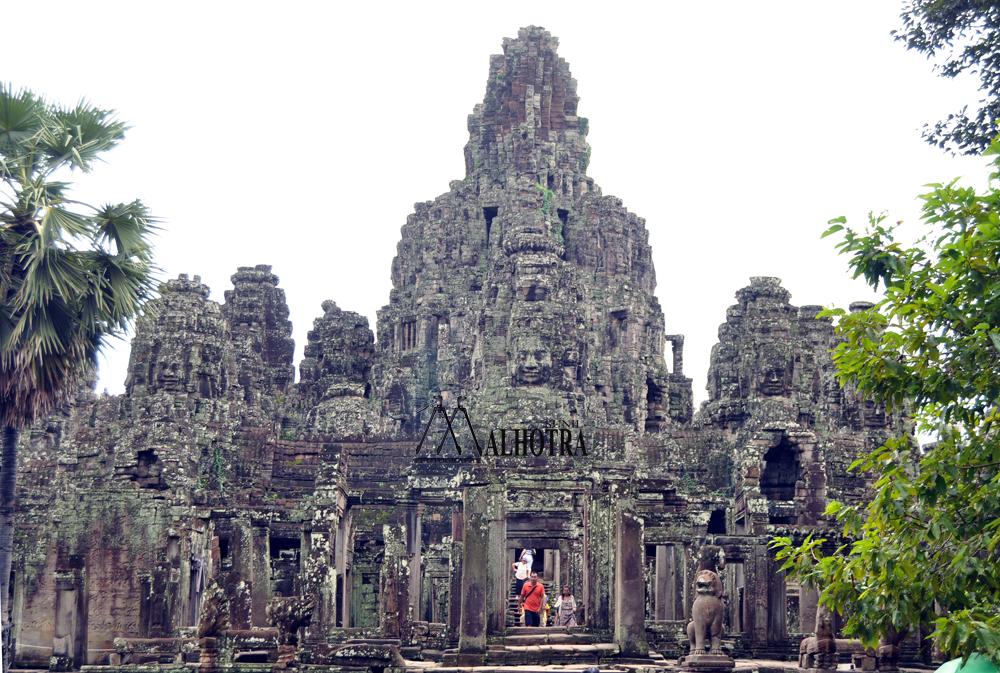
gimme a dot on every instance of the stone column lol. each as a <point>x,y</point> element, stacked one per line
<point>677,346</point>
<point>757,590</point>
<point>69,641</point>
<point>394,600</point>
<point>475,585</point>
<point>599,527</point>
<point>777,608</point>
<point>808,601</point>
<point>630,595</point>
<point>498,574</point>
<point>660,592</point>
<point>414,535</point>
<point>455,574</point>
<point>239,583</point>
<point>159,624</point>
<point>261,593</point>
<point>342,561</point>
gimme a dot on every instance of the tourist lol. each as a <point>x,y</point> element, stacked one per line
<point>532,595</point>
<point>528,556</point>
<point>565,608</point>
<point>521,571</point>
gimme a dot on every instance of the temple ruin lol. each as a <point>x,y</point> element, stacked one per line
<point>220,514</point>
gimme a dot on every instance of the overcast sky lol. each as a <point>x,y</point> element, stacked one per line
<point>301,134</point>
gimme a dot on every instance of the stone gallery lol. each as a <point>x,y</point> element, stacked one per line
<point>221,515</point>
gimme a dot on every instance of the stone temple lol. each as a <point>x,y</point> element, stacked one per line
<point>221,515</point>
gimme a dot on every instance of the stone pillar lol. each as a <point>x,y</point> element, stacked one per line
<point>599,550</point>
<point>414,535</point>
<point>394,599</point>
<point>475,584</point>
<point>261,593</point>
<point>239,584</point>
<point>159,624</point>
<point>808,600</point>
<point>757,591</point>
<point>630,595</point>
<point>341,553</point>
<point>557,580</point>
<point>498,574</point>
<point>677,346</point>
<point>777,608</point>
<point>455,574</point>
<point>69,641</point>
<point>661,595</point>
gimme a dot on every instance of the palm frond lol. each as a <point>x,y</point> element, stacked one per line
<point>68,280</point>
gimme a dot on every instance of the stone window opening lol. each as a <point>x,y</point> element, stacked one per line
<point>408,335</point>
<point>717,522</point>
<point>284,553</point>
<point>792,607</point>
<point>223,547</point>
<point>564,218</point>
<point>489,214</point>
<point>781,471</point>
<point>535,292</point>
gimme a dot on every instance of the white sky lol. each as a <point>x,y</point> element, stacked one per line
<point>300,134</point>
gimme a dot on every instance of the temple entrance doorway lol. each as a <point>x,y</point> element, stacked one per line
<point>557,561</point>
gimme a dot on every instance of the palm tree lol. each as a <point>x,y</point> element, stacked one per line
<point>71,275</point>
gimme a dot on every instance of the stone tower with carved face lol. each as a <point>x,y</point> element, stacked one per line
<point>523,288</point>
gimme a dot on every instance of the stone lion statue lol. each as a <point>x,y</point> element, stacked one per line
<point>705,630</point>
<point>289,614</point>
<point>820,651</point>
<point>214,611</point>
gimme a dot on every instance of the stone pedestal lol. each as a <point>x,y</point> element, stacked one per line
<point>209,653</point>
<point>707,662</point>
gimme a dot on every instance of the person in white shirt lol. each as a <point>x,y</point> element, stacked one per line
<point>521,572</point>
<point>528,556</point>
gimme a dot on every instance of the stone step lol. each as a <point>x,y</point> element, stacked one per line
<point>374,641</point>
<point>506,669</point>
<point>543,655</point>
<point>556,638</point>
<point>534,630</point>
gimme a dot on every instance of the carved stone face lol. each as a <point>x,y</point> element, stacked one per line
<point>772,382</point>
<point>168,376</point>
<point>532,362</point>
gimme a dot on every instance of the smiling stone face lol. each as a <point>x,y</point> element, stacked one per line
<point>532,362</point>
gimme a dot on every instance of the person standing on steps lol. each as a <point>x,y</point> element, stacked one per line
<point>521,571</point>
<point>528,557</point>
<point>532,595</point>
<point>565,608</point>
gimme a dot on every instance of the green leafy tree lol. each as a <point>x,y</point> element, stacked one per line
<point>71,275</point>
<point>925,549</point>
<point>964,36</point>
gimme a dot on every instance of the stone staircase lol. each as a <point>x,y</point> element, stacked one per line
<point>543,646</point>
<point>532,649</point>
<point>513,618</point>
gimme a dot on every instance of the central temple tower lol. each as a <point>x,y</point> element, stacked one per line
<point>523,288</point>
